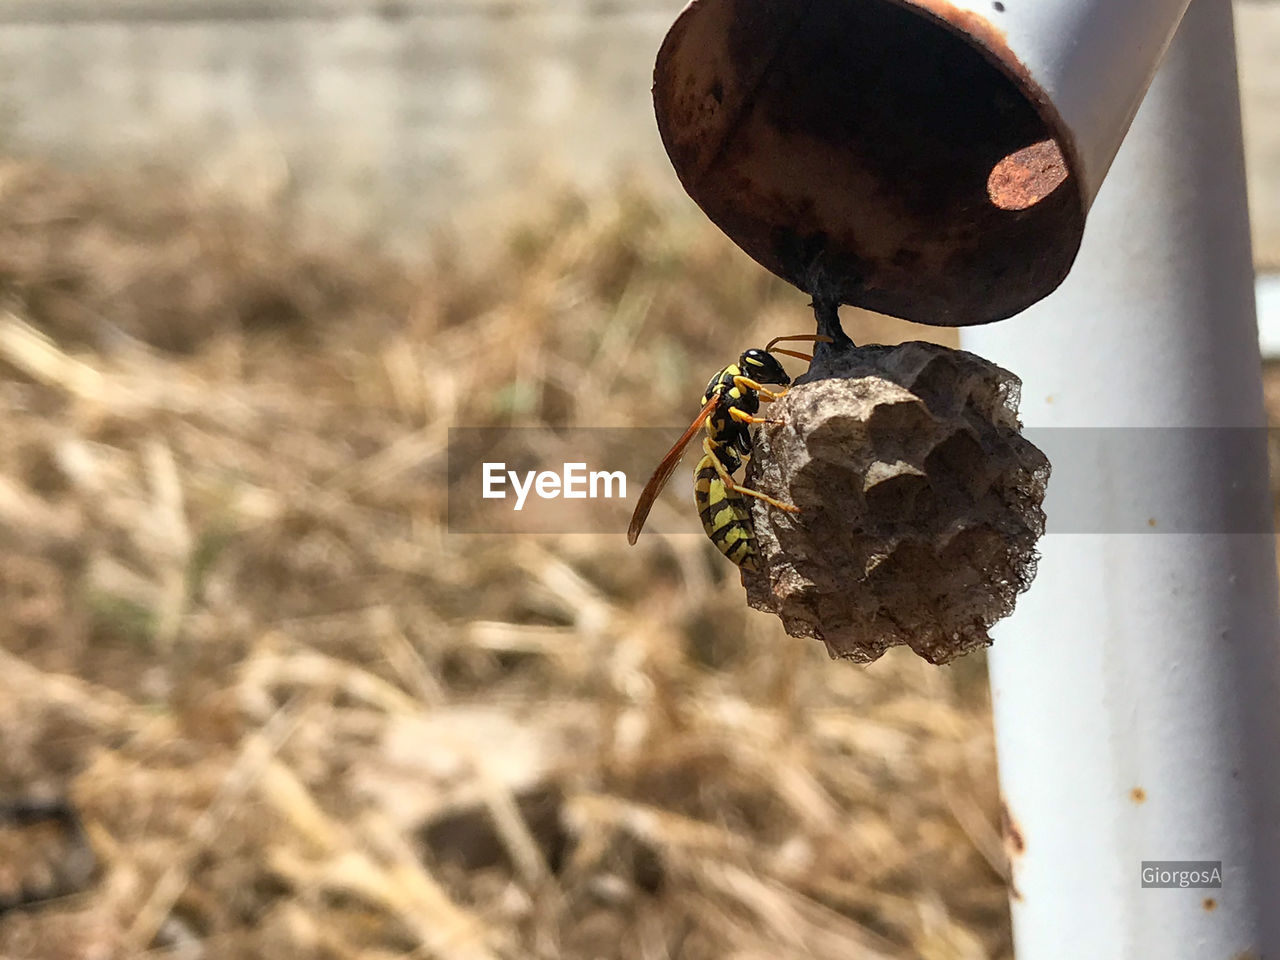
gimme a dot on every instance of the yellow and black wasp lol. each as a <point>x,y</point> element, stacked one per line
<point>729,408</point>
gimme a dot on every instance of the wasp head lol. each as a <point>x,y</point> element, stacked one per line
<point>763,367</point>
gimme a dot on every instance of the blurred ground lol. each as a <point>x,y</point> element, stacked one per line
<point>299,719</point>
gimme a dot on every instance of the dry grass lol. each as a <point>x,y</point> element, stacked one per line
<point>302,720</point>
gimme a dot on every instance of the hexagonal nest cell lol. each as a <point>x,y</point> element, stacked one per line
<point>920,501</point>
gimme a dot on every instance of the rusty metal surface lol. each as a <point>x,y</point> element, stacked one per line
<point>1027,176</point>
<point>872,151</point>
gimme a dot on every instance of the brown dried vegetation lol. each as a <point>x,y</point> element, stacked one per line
<point>299,719</point>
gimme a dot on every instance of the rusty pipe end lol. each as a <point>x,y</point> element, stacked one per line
<point>894,155</point>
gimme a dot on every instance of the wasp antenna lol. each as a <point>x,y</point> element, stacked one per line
<point>810,337</point>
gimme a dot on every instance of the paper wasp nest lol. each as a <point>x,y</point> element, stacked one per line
<point>920,502</point>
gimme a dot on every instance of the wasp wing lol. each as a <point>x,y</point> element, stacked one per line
<point>667,467</point>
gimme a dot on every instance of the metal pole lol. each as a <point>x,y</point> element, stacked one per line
<point>1137,687</point>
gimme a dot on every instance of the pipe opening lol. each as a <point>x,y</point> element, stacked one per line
<point>892,154</point>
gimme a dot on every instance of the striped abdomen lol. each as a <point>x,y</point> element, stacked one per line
<point>725,515</point>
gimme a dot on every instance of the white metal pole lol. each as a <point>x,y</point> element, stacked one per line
<point>1137,686</point>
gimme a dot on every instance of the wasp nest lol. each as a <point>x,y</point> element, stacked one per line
<point>920,501</point>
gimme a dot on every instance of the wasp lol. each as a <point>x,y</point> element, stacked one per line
<point>729,408</point>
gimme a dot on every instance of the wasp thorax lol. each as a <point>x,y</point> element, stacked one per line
<point>920,500</point>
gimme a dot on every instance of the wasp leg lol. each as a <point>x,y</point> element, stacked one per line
<point>746,383</point>
<point>747,491</point>
<point>732,484</point>
<point>742,417</point>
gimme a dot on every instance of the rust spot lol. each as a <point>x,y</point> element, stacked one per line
<point>1027,176</point>
<point>1015,845</point>
<point>1210,903</point>
<point>1014,841</point>
<point>1138,795</point>
<point>1151,521</point>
